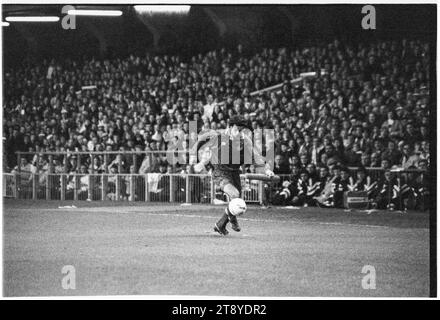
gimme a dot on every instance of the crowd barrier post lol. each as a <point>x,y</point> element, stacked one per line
<point>171,186</point>
<point>147,191</point>
<point>75,187</point>
<point>63,187</point>
<point>89,189</point>
<point>212,185</point>
<point>104,185</point>
<point>132,188</point>
<point>187,194</point>
<point>18,176</point>
<point>118,187</point>
<point>34,186</point>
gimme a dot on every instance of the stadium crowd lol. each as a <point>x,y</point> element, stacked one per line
<point>367,107</point>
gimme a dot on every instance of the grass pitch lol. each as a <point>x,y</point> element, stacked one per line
<point>165,249</point>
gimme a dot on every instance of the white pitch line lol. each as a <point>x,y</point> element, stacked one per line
<point>267,220</point>
<point>102,209</point>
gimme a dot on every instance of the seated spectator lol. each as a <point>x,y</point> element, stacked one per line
<point>408,159</point>
<point>330,187</point>
<point>304,160</point>
<point>385,164</point>
<point>353,156</point>
<point>424,151</point>
<point>324,160</point>
<point>311,169</point>
<point>386,197</point>
<point>301,196</point>
<point>364,183</point>
<point>393,126</point>
<point>421,187</point>
<point>280,166</point>
<point>422,165</point>
<point>347,183</point>
<point>410,134</point>
<point>286,193</point>
<point>294,161</point>
<point>315,150</point>
<point>376,161</point>
<point>392,154</point>
<point>331,163</point>
<point>365,160</point>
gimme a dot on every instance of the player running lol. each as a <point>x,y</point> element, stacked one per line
<point>227,152</point>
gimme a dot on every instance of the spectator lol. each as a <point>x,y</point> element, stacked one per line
<point>25,172</point>
<point>410,134</point>
<point>392,154</point>
<point>304,160</point>
<point>422,165</point>
<point>393,126</point>
<point>365,160</point>
<point>424,152</point>
<point>353,156</point>
<point>280,166</point>
<point>315,150</point>
<point>408,159</point>
<point>385,164</point>
<point>387,198</point>
<point>311,169</point>
<point>375,160</point>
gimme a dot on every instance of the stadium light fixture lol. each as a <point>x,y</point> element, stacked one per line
<point>32,19</point>
<point>158,9</point>
<point>5,24</point>
<point>101,13</point>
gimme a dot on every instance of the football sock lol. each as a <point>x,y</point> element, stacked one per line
<point>223,221</point>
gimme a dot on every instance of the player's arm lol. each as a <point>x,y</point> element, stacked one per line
<point>201,165</point>
<point>261,166</point>
<point>203,157</point>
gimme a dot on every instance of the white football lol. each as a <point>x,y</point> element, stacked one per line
<point>237,206</point>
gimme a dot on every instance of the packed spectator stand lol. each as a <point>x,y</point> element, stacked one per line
<point>364,117</point>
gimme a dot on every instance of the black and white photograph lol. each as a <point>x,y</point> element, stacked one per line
<point>219,150</point>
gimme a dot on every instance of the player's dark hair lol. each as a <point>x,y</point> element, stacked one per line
<point>240,121</point>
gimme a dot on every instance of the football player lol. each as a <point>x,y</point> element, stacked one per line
<point>227,152</point>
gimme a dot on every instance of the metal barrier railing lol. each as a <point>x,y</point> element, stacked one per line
<point>151,187</point>
<point>407,189</point>
<point>102,162</point>
<point>9,186</point>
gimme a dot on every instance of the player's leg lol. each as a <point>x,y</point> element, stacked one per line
<point>221,179</point>
<point>232,192</point>
<point>230,184</point>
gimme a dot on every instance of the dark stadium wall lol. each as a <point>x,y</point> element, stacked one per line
<point>253,26</point>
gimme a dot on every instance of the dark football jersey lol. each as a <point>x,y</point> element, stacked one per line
<point>225,152</point>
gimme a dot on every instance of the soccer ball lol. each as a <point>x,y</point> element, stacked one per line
<point>237,206</point>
